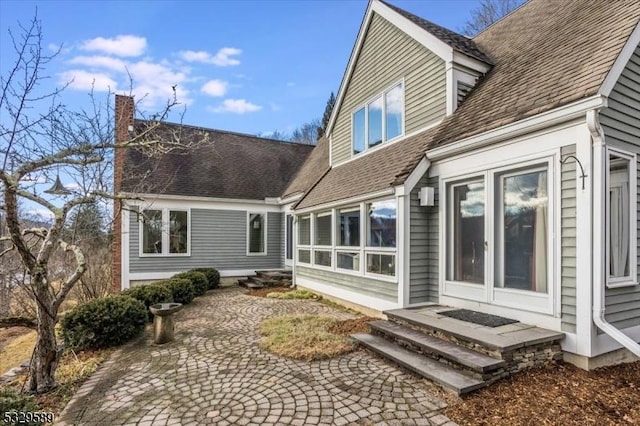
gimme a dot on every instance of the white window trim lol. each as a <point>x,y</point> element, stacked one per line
<point>632,278</point>
<point>362,249</point>
<point>487,292</point>
<point>248,222</point>
<point>365,106</point>
<point>165,232</point>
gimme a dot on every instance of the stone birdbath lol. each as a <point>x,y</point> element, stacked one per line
<point>163,323</point>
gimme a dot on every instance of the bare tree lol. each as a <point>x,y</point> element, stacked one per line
<point>41,139</point>
<point>487,13</point>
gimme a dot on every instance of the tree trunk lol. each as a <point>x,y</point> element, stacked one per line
<point>45,355</point>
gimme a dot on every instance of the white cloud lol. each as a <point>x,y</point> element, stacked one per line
<point>235,106</point>
<point>154,82</point>
<point>86,80</point>
<point>223,58</point>
<point>108,62</point>
<point>122,45</point>
<point>215,88</point>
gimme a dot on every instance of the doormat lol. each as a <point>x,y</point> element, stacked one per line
<point>478,317</point>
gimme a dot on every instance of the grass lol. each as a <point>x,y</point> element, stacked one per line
<point>17,351</point>
<point>294,294</point>
<point>305,337</point>
<point>72,371</point>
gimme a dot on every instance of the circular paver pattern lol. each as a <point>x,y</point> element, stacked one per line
<point>215,373</point>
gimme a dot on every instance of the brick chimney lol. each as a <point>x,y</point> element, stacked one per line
<point>124,116</point>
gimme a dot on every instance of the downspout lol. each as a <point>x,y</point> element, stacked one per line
<point>599,174</point>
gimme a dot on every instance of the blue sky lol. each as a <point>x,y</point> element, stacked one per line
<point>246,66</point>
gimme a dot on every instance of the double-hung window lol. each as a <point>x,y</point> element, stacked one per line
<point>379,120</point>
<point>164,232</point>
<point>323,240</point>
<point>621,229</point>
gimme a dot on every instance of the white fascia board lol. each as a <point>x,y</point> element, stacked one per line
<point>346,201</point>
<point>150,197</point>
<point>205,203</point>
<point>290,199</point>
<point>414,177</point>
<point>537,122</point>
<point>621,62</point>
<point>350,66</point>
<point>422,36</point>
<point>469,62</point>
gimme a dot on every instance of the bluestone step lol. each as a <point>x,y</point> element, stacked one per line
<point>458,354</point>
<point>425,367</point>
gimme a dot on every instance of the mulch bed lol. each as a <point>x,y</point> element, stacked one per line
<point>262,292</point>
<point>351,326</point>
<point>559,394</point>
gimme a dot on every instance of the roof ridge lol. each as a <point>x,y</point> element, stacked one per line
<point>229,132</point>
<point>457,41</point>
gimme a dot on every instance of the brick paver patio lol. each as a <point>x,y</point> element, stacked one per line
<point>215,373</point>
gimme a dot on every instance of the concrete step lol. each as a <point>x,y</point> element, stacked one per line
<point>274,275</point>
<point>263,282</point>
<point>427,344</point>
<point>440,373</point>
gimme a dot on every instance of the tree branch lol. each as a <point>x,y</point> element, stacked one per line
<point>81,264</point>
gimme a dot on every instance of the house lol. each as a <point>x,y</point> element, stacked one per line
<point>497,173</point>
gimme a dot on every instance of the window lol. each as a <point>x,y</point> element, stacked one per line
<point>323,229</point>
<point>322,258</point>
<point>152,232</point>
<point>379,121</point>
<point>289,242</point>
<point>466,231</point>
<point>304,231</point>
<point>348,260</point>
<point>620,228</point>
<point>304,256</point>
<point>257,233</point>
<point>178,231</point>
<point>522,248</point>
<point>382,224</point>
<point>383,264</point>
<point>164,232</point>
<point>349,228</point>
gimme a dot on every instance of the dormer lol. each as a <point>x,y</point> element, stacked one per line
<point>405,74</point>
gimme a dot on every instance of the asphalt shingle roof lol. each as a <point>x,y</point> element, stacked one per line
<point>546,54</point>
<point>225,165</point>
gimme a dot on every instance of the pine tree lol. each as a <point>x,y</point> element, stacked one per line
<point>327,115</point>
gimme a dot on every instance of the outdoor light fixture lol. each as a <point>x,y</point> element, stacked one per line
<point>58,188</point>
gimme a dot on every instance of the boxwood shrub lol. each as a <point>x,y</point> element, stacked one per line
<point>198,279</point>
<point>212,274</point>
<point>150,295</point>
<point>104,322</point>
<point>181,289</point>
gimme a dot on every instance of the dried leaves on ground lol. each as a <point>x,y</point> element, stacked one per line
<point>351,326</point>
<point>263,292</point>
<point>17,347</point>
<point>294,294</point>
<point>305,337</point>
<point>559,394</point>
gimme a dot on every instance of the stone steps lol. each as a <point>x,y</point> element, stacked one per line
<point>438,348</point>
<point>460,355</point>
<point>264,279</point>
<point>440,373</point>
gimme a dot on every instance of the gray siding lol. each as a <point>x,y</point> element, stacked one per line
<point>218,239</point>
<point>621,124</point>
<point>568,242</point>
<point>388,55</point>
<point>370,287</point>
<point>424,241</point>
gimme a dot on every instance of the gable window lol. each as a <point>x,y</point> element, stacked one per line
<point>257,233</point>
<point>164,232</point>
<point>378,121</point>
<point>620,226</point>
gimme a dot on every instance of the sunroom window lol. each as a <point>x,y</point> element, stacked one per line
<point>621,229</point>
<point>323,240</point>
<point>381,237</point>
<point>379,120</point>
<point>304,239</point>
<point>349,227</point>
